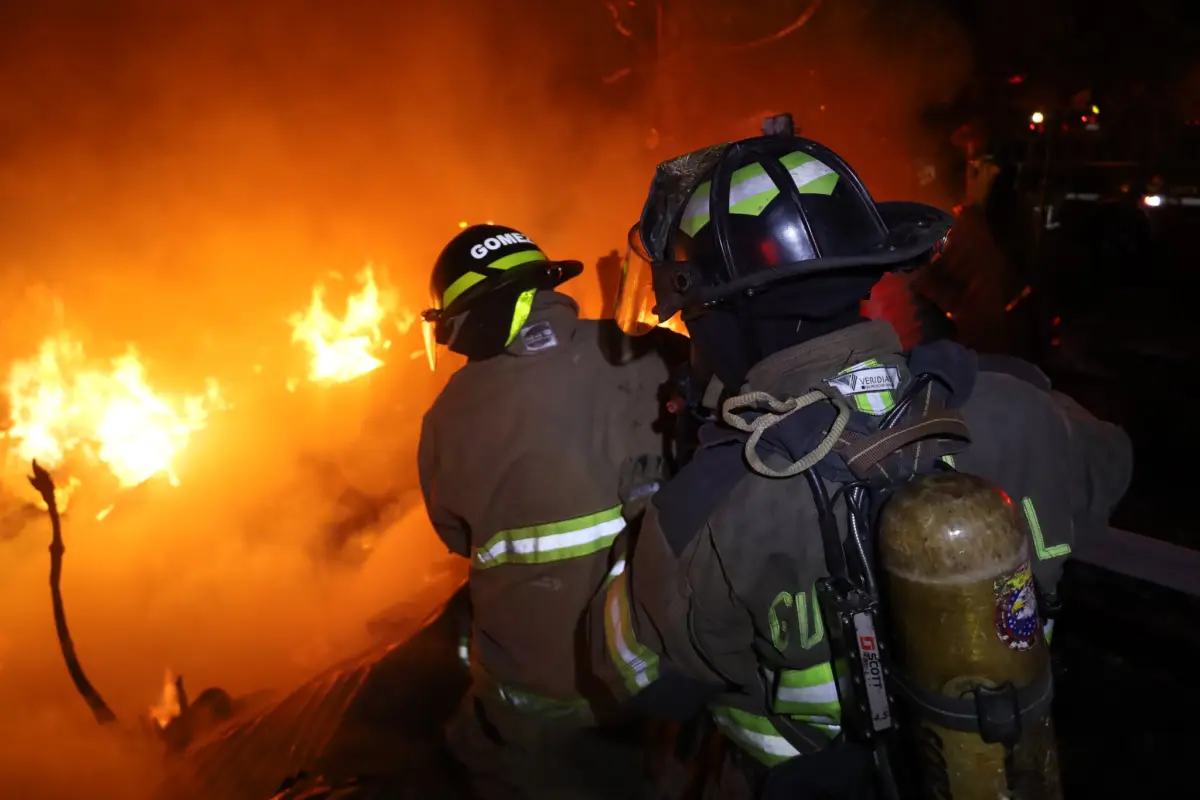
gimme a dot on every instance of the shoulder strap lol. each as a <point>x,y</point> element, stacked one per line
<point>866,452</point>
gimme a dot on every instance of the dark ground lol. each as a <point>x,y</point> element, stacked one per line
<point>1125,651</point>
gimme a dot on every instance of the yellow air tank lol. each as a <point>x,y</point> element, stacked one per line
<point>968,640</point>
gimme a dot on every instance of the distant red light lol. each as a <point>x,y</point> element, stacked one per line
<point>1015,79</point>
<point>1057,321</point>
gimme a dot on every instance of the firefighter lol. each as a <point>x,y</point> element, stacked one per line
<point>977,282</point>
<point>531,460</point>
<point>767,247</point>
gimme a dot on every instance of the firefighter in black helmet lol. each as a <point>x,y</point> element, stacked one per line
<point>534,457</point>
<point>735,595</point>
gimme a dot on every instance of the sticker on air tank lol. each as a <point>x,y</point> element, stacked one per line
<point>1016,609</point>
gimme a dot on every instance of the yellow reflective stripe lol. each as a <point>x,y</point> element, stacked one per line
<point>948,461</point>
<point>637,664</point>
<point>469,279</point>
<point>1048,630</point>
<point>520,314</point>
<point>1039,541</point>
<point>809,694</point>
<point>555,541</point>
<point>754,734</point>
<point>544,706</point>
<point>751,190</point>
<point>463,282</point>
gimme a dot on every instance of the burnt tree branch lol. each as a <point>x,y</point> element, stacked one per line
<point>44,484</point>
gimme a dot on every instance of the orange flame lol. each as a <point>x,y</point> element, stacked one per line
<point>168,705</point>
<point>60,406</point>
<point>342,349</point>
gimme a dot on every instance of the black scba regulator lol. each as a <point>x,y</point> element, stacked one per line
<point>859,658</point>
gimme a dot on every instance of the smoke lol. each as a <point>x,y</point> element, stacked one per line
<point>178,175</point>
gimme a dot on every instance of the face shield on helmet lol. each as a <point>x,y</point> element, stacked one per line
<point>635,310</point>
<point>635,294</point>
<point>483,325</point>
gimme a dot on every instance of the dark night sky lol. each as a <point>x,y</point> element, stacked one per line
<point>245,144</point>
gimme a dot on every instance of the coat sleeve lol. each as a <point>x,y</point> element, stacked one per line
<point>450,528</point>
<point>1101,464</point>
<point>641,426</point>
<point>647,629</point>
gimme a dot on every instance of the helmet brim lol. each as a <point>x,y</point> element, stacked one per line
<point>914,230</point>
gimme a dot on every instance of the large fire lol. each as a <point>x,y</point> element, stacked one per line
<point>61,407</point>
<point>342,349</point>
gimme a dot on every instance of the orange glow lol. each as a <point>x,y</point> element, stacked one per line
<point>187,196</point>
<point>61,406</point>
<point>343,348</point>
<point>675,323</point>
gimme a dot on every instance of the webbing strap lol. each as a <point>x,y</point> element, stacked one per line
<point>995,713</point>
<point>862,453</point>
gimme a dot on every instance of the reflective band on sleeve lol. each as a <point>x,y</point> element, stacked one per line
<point>1048,629</point>
<point>531,703</point>
<point>637,664</point>
<point>754,734</point>
<point>751,189</point>
<point>555,541</point>
<point>948,460</point>
<point>1039,541</point>
<point>809,694</point>
<point>617,570</point>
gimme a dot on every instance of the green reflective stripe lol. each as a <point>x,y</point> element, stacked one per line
<point>1039,541</point>
<point>1048,630</point>
<point>520,314</point>
<point>948,461</point>
<point>754,734</point>
<point>637,663</point>
<point>516,259</point>
<point>811,694</point>
<point>695,214</point>
<point>460,285</point>
<point>543,706</point>
<point>555,541</point>
<point>469,279</point>
<point>751,189</point>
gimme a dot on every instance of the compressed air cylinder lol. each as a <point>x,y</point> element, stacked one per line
<point>960,597</point>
